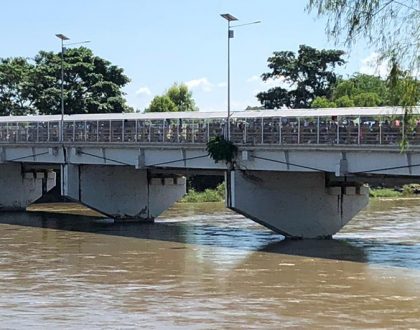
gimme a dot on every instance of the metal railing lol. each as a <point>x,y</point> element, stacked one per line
<point>341,130</point>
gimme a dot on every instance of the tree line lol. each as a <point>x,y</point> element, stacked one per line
<point>94,85</point>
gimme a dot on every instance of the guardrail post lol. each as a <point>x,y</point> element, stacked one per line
<point>298,139</point>
<point>338,130</point>
<point>317,130</point>
<point>262,130</point>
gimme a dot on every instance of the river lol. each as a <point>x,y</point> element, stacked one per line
<point>201,266</point>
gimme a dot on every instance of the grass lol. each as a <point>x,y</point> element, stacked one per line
<point>384,193</point>
<point>208,195</point>
<point>408,190</point>
<point>218,194</point>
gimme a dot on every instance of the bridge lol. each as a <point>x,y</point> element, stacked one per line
<point>299,172</point>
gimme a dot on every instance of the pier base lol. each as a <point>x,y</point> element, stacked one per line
<point>20,186</point>
<point>295,204</point>
<point>121,192</point>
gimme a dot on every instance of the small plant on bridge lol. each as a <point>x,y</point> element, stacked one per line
<point>221,149</point>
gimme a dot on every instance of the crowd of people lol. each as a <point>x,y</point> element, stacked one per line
<point>257,130</point>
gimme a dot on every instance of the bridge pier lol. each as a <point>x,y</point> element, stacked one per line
<point>295,204</point>
<point>20,186</point>
<point>121,192</point>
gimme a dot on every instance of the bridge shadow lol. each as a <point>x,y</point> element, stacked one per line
<point>325,249</point>
<point>247,239</point>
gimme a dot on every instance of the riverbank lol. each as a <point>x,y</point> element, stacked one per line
<point>406,191</point>
<point>218,195</point>
<point>208,195</point>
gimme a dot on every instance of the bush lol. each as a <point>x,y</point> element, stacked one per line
<point>221,149</point>
<point>411,189</point>
<point>384,192</point>
<point>208,195</point>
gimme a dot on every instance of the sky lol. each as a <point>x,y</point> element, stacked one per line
<point>160,42</point>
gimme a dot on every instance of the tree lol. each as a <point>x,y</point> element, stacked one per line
<point>176,98</point>
<point>14,86</point>
<point>91,84</point>
<point>391,27</point>
<point>368,91</point>
<point>162,104</point>
<point>308,75</point>
<point>361,83</point>
<point>182,97</point>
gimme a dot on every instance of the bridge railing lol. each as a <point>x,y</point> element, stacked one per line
<point>354,130</point>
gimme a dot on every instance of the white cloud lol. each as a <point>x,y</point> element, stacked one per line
<point>144,90</point>
<point>222,84</point>
<point>254,78</point>
<point>202,83</point>
<point>269,83</point>
<point>373,66</point>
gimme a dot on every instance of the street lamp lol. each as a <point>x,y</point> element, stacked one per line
<point>63,38</point>
<point>231,18</point>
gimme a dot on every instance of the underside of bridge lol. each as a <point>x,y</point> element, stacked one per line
<point>295,204</point>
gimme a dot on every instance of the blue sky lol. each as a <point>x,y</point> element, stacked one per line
<point>159,42</point>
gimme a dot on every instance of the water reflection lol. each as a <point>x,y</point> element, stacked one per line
<point>387,233</point>
<point>329,249</point>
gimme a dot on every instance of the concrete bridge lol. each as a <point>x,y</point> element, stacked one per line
<point>299,172</point>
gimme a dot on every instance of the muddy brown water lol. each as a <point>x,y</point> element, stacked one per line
<point>201,266</point>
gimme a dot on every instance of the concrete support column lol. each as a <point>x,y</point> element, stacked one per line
<point>20,187</point>
<point>295,204</point>
<point>121,192</point>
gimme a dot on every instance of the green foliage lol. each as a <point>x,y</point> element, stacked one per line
<point>363,90</point>
<point>91,84</point>
<point>384,192</point>
<point>411,189</point>
<point>404,89</point>
<point>176,98</point>
<point>220,149</point>
<point>361,83</point>
<point>344,102</point>
<point>182,97</point>
<point>15,86</point>
<point>322,102</point>
<point>209,195</point>
<point>392,28</point>
<point>162,104</point>
<point>309,74</point>
<point>367,100</point>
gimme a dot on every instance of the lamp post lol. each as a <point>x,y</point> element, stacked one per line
<point>63,38</point>
<point>230,18</point>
